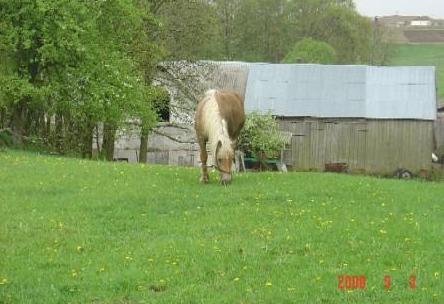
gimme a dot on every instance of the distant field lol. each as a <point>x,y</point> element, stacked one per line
<point>76,231</point>
<point>423,54</point>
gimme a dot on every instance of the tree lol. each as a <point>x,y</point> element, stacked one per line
<point>155,99</point>
<point>191,30</point>
<point>78,62</point>
<point>381,48</point>
<point>309,50</point>
<point>227,12</point>
<point>261,30</point>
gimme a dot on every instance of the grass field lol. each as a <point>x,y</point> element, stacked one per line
<point>422,54</point>
<point>75,231</point>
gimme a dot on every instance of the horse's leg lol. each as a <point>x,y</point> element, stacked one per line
<point>203,159</point>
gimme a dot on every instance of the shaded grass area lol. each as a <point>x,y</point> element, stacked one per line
<point>423,54</point>
<point>75,231</point>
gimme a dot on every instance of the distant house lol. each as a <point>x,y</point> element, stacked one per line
<point>421,21</point>
<point>397,21</point>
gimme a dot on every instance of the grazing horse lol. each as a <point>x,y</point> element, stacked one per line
<point>219,119</point>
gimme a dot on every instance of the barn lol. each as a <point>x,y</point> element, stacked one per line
<point>173,142</point>
<point>363,118</point>
<point>357,118</point>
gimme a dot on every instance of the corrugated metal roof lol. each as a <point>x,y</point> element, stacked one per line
<point>342,91</point>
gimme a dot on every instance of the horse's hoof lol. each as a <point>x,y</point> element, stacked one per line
<point>204,180</point>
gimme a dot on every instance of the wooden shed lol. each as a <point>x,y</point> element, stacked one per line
<point>360,118</point>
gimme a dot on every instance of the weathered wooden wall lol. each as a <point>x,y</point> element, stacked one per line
<point>439,131</point>
<point>372,146</point>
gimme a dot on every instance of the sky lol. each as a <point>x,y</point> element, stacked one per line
<point>432,8</point>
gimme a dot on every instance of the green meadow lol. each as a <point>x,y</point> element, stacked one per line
<point>77,231</point>
<point>422,54</point>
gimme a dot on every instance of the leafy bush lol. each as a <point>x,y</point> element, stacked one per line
<point>261,136</point>
<point>6,138</point>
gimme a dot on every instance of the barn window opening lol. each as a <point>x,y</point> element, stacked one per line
<point>161,104</point>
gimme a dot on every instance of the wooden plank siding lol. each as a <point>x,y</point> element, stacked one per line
<point>439,131</point>
<point>372,146</point>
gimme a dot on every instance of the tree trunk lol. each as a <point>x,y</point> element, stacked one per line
<point>2,118</point>
<point>59,132</point>
<point>40,126</point>
<point>18,119</point>
<point>97,136</point>
<point>29,126</point>
<point>143,146</point>
<point>109,136</point>
<point>48,128</point>
<point>87,142</point>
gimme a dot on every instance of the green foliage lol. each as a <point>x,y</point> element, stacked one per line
<point>160,102</point>
<point>309,50</point>
<point>348,32</point>
<point>82,232</point>
<point>267,30</point>
<point>261,135</point>
<point>84,61</point>
<point>191,30</point>
<point>6,138</point>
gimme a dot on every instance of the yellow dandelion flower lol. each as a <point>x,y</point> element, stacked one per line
<point>382,231</point>
<point>291,289</point>
<point>3,281</point>
<point>236,279</point>
<point>268,284</point>
<point>436,274</point>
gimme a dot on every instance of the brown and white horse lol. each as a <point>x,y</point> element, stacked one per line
<point>219,119</point>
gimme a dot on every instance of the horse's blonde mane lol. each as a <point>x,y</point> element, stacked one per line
<point>217,127</point>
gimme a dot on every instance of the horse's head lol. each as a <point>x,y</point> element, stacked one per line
<point>224,161</point>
